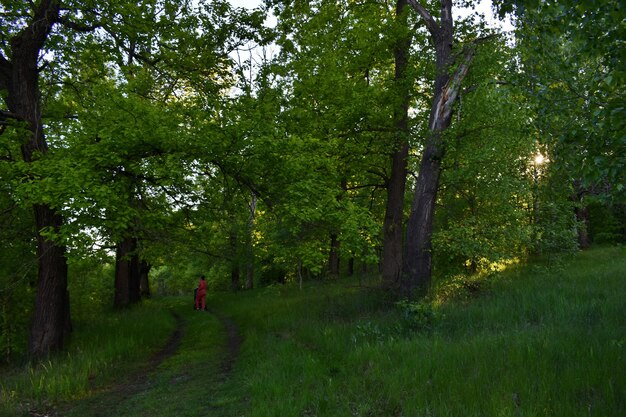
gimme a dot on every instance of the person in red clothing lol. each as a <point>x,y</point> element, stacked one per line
<point>201,294</point>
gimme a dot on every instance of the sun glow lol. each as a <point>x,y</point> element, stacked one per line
<point>539,159</point>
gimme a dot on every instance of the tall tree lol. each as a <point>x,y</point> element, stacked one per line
<point>450,70</point>
<point>19,78</point>
<point>394,213</point>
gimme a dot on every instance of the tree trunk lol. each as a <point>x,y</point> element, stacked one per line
<point>134,280</point>
<point>234,261</point>
<point>144,282</point>
<point>333,257</point>
<point>250,245</point>
<point>580,210</point>
<point>418,259</point>
<point>127,274</point>
<point>417,273</point>
<point>51,320</point>
<point>234,277</point>
<point>20,78</point>
<point>582,216</point>
<point>391,267</point>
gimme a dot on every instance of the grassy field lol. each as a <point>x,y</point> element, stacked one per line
<point>534,341</point>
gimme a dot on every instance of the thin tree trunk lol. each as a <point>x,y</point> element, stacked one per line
<point>299,272</point>
<point>350,271</point>
<point>234,277</point>
<point>234,262</point>
<point>391,267</point>
<point>134,280</point>
<point>250,245</point>
<point>582,214</point>
<point>333,257</point>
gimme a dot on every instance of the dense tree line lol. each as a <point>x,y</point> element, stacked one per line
<point>394,137</point>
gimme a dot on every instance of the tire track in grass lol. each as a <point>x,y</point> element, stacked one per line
<point>232,345</point>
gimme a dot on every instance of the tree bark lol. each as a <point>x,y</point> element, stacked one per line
<point>581,210</point>
<point>391,266</point>
<point>20,78</point>
<point>51,319</point>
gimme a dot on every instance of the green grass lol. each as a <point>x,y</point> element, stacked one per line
<point>534,341</point>
<point>104,347</point>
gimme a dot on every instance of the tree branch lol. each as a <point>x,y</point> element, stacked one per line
<point>77,26</point>
<point>431,23</point>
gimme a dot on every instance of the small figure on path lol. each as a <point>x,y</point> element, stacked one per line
<point>201,294</point>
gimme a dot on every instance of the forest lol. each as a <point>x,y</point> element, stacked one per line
<point>403,147</point>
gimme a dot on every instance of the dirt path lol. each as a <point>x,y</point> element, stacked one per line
<point>141,382</point>
<point>232,345</point>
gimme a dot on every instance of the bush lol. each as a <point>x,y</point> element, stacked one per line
<point>417,316</point>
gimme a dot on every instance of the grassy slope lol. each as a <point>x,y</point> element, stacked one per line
<point>533,343</point>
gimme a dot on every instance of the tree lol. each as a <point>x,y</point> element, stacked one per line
<point>396,186</point>
<point>450,70</point>
<point>28,31</point>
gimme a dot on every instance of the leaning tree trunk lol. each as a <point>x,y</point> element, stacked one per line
<point>417,271</point>
<point>393,223</point>
<point>19,77</point>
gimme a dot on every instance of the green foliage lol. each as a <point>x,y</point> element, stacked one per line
<point>18,271</point>
<point>607,223</point>
<point>485,192</point>
<point>91,283</point>
<point>555,223</point>
<point>572,67</point>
